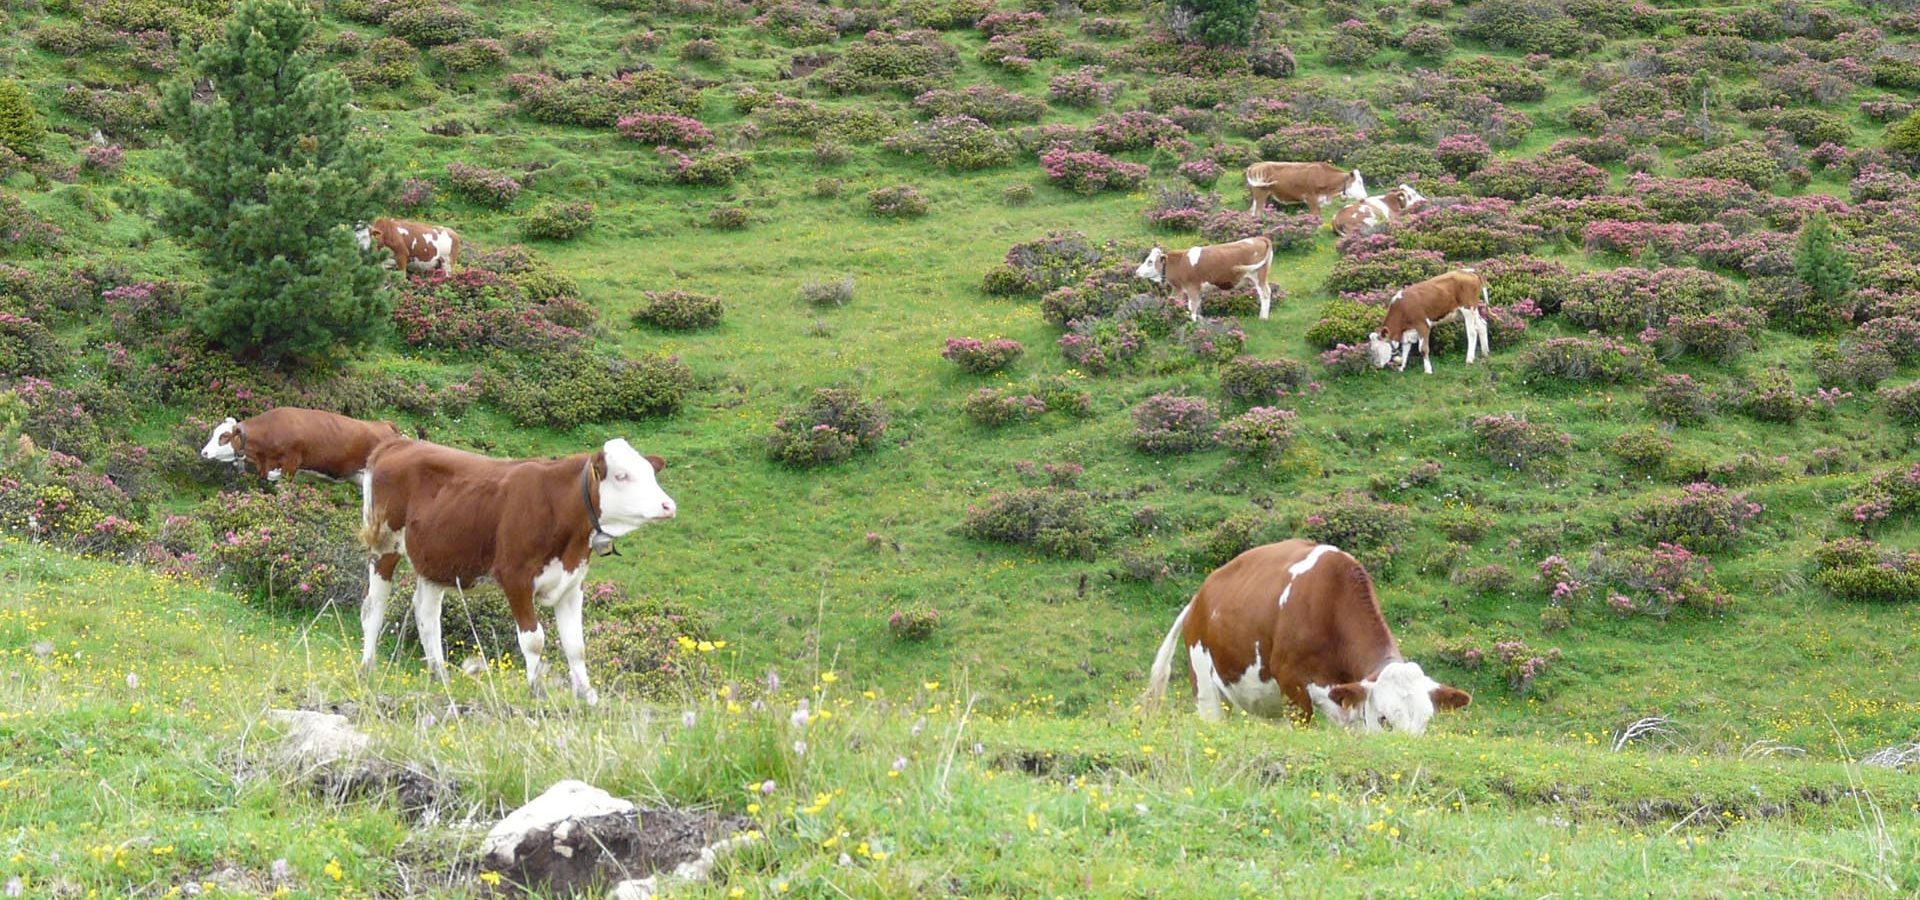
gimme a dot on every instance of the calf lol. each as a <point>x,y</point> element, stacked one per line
<point>1413,312</point>
<point>529,524</point>
<point>416,246</point>
<point>1373,212</point>
<point>287,439</point>
<point>1312,183</point>
<point>1296,624</point>
<point>1225,266</point>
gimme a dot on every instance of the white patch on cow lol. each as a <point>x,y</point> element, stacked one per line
<point>442,241</point>
<point>400,230</point>
<point>555,580</point>
<point>1411,196</point>
<point>1150,270</point>
<point>427,597</point>
<point>1396,298</point>
<point>217,451</point>
<point>1255,694</point>
<point>373,616</point>
<point>630,496</point>
<point>1208,692</point>
<point>1357,189</point>
<point>363,235</point>
<point>1193,256</point>
<point>1302,567</point>
<point>532,644</point>
<point>1376,206</point>
<point>1379,350</point>
<point>573,639</point>
<point>1334,712</point>
<point>273,474</point>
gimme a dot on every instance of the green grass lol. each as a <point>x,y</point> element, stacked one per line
<point>1056,650</point>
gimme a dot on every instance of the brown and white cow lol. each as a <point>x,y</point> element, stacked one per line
<point>1295,624</point>
<point>529,524</point>
<point>1375,211</point>
<point>416,246</point>
<point>1312,183</point>
<point>1414,310</point>
<point>287,439</point>
<point>1225,266</point>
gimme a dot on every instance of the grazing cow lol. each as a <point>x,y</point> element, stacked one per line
<point>1297,623</point>
<point>1225,266</point>
<point>287,439</point>
<point>529,524</point>
<point>1373,212</point>
<point>416,246</point>
<point>1312,183</point>
<point>1413,311</point>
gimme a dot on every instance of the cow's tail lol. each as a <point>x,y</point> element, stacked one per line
<point>1253,183</point>
<point>369,533</point>
<point>1162,670</point>
<point>1484,298</point>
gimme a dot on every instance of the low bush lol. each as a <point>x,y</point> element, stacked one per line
<point>896,202</point>
<point>1701,517</point>
<point>51,495</point>
<point>1172,423</point>
<point>978,357</point>
<point>959,143</point>
<point>1627,300</point>
<point>679,310</point>
<point>470,56</point>
<point>1057,260</point>
<point>1861,364</point>
<point>1770,396</point>
<point>1655,581</point>
<point>1429,41</point>
<point>1747,162</point>
<point>832,426</point>
<point>1716,337</point>
<point>1390,269</point>
<point>998,407</point>
<point>1248,380</point>
<point>472,309</point>
<point>1358,524</point>
<point>1090,172</point>
<point>595,101</point>
<point>913,622</point>
<point>991,104</point>
<point>573,387</point>
<point>1863,571</point>
<point>28,348</point>
<point>1516,443</point>
<point>1601,360</point>
<point>728,218</point>
<point>1643,449</point>
<point>1054,521</point>
<point>558,220</point>
<point>1462,154</point>
<point>432,24</point>
<point>1082,88</point>
<point>1520,179</point>
<point>1902,403</point>
<point>293,547</point>
<point>664,129</point>
<point>482,186</point>
<point>910,61</point>
<point>827,294</point>
<point>1345,322</point>
<point>1261,434</point>
<point>708,168</point>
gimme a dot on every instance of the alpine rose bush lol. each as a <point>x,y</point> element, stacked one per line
<point>830,427</point>
<point>1520,179</point>
<point>1462,154</point>
<point>1627,300</point>
<point>1261,434</point>
<point>1090,172</point>
<point>658,129</point>
<point>1677,399</point>
<point>1516,443</point>
<point>1172,423</point>
<point>1571,359</point>
<point>679,310</point>
<point>980,357</point>
<point>482,186</point>
<point>1701,517</point>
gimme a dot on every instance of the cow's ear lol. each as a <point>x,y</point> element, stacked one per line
<point>1349,695</point>
<point>1447,697</point>
<point>658,463</point>
<point>599,463</point>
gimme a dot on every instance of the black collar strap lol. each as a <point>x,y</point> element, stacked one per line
<point>239,444</point>
<point>599,541</point>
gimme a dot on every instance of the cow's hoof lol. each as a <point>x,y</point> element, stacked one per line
<point>589,696</point>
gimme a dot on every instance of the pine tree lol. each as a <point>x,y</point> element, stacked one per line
<point>269,182</point>
<point>1822,266</point>
<point>20,125</point>
<point>1218,23</point>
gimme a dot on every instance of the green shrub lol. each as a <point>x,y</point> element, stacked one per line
<point>432,24</point>
<point>1345,322</point>
<point>1220,23</point>
<point>21,127</point>
<point>1054,521</point>
<point>296,546</point>
<point>1904,136</point>
<point>568,388</point>
<point>1245,379</point>
<point>1644,450</point>
<point>913,622</point>
<point>558,221</point>
<point>470,56</point>
<point>1356,523</point>
<point>1820,263</point>
<point>1745,161</point>
<point>832,426</point>
<point>679,310</point>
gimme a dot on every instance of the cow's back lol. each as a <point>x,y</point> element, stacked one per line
<point>1297,175</point>
<point>1306,610</point>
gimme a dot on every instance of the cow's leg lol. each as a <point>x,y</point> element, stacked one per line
<point>533,638</point>
<point>1426,352</point>
<point>1193,301</point>
<point>426,617</point>
<point>1480,322</point>
<point>1296,694</point>
<point>1265,289</point>
<point>1468,322</point>
<point>373,610</point>
<point>285,467</point>
<point>573,642</point>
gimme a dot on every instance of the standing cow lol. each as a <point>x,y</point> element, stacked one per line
<point>1373,212</point>
<point>1225,266</point>
<point>287,439</point>
<point>1296,624</point>
<point>416,246</point>
<point>1313,183</point>
<point>529,524</point>
<point>1413,311</point>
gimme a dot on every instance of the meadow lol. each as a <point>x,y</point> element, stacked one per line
<point>1679,488</point>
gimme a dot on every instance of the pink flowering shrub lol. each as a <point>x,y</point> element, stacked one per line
<point>1052,520</point>
<point>594,100</point>
<point>1519,665</point>
<point>1345,359</point>
<point>978,357</point>
<point>27,347</point>
<point>1082,88</point>
<point>1471,230</point>
<point>482,186</point>
<point>1103,345</point>
<point>1248,380</point>
<point>899,201</point>
<point>22,230</point>
<point>998,407</point>
<point>1261,434</point>
<point>661,129</point>
<point>1629,299</point>
<point>415,194</point>
<point>1702,516</point>
<point>1565,217</point>
<point>1311,142</point>
<point>1134,130</point>
<point>1091,172</point>
<point>715,168</point>
<point>1392,268</point>
<point>102,160</point>
<point>1690,199</point>
<point>832,426</point>
<point>1655,581</point>
<point>1715,337</point>
<point>294,547</point>
<point>1172,423</point>
<point>913,622</point>
<point>1176,207</point>
<point>1516,443</point>
<point>1462,154</point>
<point>987,103</point>
<point>1360,525</point>
<point>1057,260</point>
<point>1507,325</point>
<point>52,495</point>
<point>1637,239</point>
<point>471,309</point>
<point>1863,571</point>
<point>1518,179</point>
<point>1200,173</point>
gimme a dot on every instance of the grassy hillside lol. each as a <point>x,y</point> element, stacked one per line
<point>1771,681</point>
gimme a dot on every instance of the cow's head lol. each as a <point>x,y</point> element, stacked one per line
<point>1409,197</point>
<point>223,445</point>
<point>1400,698</point>
<point>630,496</point>
<point>1356,186</point>
<point>1155,267</point>
<point>1380,350</point>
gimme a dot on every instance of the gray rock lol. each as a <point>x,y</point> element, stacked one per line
<point>564,839</point>
<point>315,740</point>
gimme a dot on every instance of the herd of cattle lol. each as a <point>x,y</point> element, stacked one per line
<point>1281,630</point>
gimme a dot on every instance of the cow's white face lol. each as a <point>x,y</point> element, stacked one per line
<point>1409,197</point>
<point>1356,187</point>
<point>630,496</point>
<point>219,446</point>
<point>1400,698</point>
<point>364,234</point>
<point>1151,270</point>
<point>1379,350</point>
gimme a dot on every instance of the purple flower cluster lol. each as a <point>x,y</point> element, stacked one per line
<point>1090,172</point>
<point>660,129</point>
<point>482,186</point>
<point>981,357</point>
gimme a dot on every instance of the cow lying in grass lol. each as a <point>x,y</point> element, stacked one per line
<point>1294,627</point>
<point>1375,212</point>
<point>287,439</point>
<point>1311,183</point>
<point>1412,313</point>
<point>1225,266</point>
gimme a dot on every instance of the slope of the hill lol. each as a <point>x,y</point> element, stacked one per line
<point>790,566</point>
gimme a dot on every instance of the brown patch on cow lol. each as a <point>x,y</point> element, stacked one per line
<point>1295,182</point>
<point>290,439</point>
<point>1445,697</point>
<point>659,463</point>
